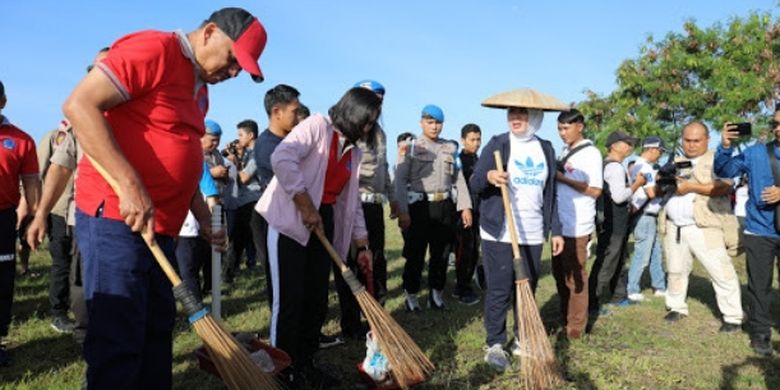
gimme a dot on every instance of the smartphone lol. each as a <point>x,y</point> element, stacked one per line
<point>744,128</point>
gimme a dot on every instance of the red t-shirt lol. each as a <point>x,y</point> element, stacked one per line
<point>158,127</point>
<point>337,173</point>
<point>17,158</point>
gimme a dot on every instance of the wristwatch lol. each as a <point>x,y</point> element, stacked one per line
<point>361,248</point>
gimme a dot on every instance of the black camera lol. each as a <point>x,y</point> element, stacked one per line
<point>668,173</point>
<point>231,148</point>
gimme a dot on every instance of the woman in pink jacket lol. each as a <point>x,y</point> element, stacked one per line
<point>315,186</point>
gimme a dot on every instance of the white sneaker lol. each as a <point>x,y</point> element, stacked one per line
<point>437,299</point>
<point>659,293</point>
<point>636,297</point>
<point>497,357</point>
<point>516,349</point>
<point>412,303</point>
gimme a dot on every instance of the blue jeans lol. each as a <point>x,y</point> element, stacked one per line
<point>647,248</point>
<point>130,303</point>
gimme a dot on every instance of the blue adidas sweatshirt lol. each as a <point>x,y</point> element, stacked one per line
<point>759,215</point>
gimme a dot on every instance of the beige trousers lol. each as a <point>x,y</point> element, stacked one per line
<point>707,245</point>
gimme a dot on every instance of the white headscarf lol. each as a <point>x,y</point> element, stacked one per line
<point>534,124</point>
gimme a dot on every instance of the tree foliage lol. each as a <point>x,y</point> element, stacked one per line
<point>721,73</point>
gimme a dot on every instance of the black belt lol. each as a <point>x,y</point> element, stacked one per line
<point>650,214</point>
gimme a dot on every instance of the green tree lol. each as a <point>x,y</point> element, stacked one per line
<point>715,74</point>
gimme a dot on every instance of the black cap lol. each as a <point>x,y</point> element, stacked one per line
<point>654,142</point>
<point>248,35</point>
<point>616,136</point>
<point>2,89</point>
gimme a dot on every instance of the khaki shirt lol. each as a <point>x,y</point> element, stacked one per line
<point>429,167</point>
<point>374,175</point>
<point>47,155</point>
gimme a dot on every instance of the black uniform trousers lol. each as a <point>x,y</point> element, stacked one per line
<point>60,240</point>
<point>433,224</point>
<point>761,254</point>
<point>7,266</point>
<point>466,252</point>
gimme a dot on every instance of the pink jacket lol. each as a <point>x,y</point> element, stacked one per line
<point>299,164</point>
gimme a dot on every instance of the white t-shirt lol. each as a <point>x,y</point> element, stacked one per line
<point>190,227</point>
<point>576,210</point>
<point>679,208</point>
<point>528,173</point>
<point>741,199</point>
<point>639,198</point>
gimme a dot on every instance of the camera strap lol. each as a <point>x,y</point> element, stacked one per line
<point>770,150</point>
<point>573,151</point>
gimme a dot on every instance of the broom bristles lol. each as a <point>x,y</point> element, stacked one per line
<point>538,367</point>
<point>232,361</point>
<point>408,364</point>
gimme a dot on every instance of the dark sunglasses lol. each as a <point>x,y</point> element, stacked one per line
<point>774,124</point>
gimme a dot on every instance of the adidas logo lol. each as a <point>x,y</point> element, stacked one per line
<point>529,170</point>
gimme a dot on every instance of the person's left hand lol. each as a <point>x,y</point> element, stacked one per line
<point>466,216</point>
<point>557,245</point>
<point>771,195</point>
<point>218,239</point>
<point>365,261</point>
<point>683,187</point>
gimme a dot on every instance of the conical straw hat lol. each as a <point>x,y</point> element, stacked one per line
<point>527,98</point>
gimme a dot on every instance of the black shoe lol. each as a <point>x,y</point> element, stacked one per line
<point>5,357</point>
<point>358,334</point>
<point>469,298</point>
<point>674,316</point>
<point>330,341</point>
<point>457,292</point>
<point>62,324</point>
<point>761,345</point>
<point>316,378</point>
<point>729,328</point>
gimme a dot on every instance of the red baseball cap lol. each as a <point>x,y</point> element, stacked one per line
<point>248,35</point>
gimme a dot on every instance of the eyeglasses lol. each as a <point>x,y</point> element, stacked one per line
<point>774,124</point>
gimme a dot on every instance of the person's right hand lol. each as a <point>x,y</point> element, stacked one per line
<point>36,231</point>
<point>136,207</point>
<point>728,134</point>
<point>404,221</point>
<point>641,179</point>
<point>497,178</point>
<point>219,171</point>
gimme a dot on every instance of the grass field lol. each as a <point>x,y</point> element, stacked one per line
<point>634,349</point>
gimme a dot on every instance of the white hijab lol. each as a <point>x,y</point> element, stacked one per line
<point>534,124</point>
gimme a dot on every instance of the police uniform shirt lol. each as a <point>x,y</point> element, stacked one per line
<point>429,167</point>
<point>66,154</point>
<point>374,176</point>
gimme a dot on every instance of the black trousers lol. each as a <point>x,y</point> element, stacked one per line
<point>610,259</point>
<point>193,255</point>
<point>240,237</point>
<point>350,310</point>
<point>466,252</point>
<point>433,225</point>
<point>260,238</point>
<point>7,266</point>
<point>78,304</point>
<point>300,283</point>
<point>60,239</point>
<point>761,254</point>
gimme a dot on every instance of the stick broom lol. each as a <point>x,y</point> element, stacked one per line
<point>538,367</point>
<point>408,363</point>
<point>232,360</point>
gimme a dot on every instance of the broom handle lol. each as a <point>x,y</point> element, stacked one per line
<point>510,218</point>
<point>216,265</point>
<point>331,251</point>
<point>159,255</point>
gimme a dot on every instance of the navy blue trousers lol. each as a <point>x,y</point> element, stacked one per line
<point>131,308</point>
<point>500,280</point>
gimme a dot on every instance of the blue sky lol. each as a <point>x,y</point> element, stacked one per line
<point>450,53</point>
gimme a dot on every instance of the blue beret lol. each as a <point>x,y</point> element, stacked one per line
<point>434,112</point>
<point>371,85</point>
<point>213,128</point>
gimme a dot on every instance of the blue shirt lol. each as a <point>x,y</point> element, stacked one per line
<point>208,187</point>
<point>264,147</point>
<point>759,215</point>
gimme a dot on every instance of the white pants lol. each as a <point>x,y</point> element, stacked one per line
<point>713,256</point>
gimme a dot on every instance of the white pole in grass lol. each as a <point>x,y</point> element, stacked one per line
<point>216,265</point>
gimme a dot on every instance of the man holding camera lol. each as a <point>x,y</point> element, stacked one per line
<point>762,243</point>
<point>697,221</point>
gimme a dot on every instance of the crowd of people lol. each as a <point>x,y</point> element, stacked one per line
<point>140,113</point>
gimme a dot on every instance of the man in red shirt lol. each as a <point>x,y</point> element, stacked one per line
<point>18,161</point>
<point>140,114</point>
